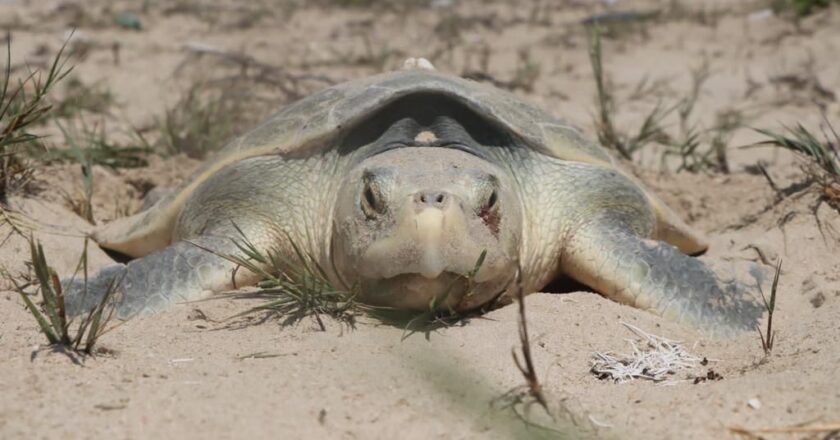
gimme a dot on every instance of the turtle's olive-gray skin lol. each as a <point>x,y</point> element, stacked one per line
<point>398,183</point>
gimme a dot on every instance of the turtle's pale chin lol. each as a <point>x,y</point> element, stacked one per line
<point>415,292</point>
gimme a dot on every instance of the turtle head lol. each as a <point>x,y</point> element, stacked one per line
<point>412,224</point>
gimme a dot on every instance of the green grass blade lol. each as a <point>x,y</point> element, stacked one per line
<point>42,272</point>
<point>45,325</point>
<point>83,265</point>
<point>95,316</point>
<point>4,104</point>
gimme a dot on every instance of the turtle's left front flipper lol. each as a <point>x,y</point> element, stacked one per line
<point>653,275</point>
<point>614,237</point>
<point>184,271</point>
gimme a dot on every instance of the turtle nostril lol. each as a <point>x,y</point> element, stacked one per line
<point>434,199</point>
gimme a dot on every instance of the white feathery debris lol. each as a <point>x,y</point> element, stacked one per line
<point>656,359</point>
<point>418,64</point>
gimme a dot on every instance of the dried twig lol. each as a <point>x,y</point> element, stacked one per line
<point>526,365</point>
<point>833,427</point>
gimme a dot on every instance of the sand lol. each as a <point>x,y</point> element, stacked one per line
<point>182,374</point>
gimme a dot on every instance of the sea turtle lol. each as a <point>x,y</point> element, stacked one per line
<point>397,184</point>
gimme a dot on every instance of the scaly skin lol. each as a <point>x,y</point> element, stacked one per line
<point>181,272</point>
<point>268,215</point>
<point>603,233</point>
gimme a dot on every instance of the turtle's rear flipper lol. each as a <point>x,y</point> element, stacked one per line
<point>184,271</point>
<point>653,275</point>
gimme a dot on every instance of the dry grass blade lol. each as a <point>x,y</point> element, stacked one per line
<point>52,317</point>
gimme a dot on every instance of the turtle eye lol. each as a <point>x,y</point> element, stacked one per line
<point>489,212</point>
<point>491,201</point>
<point>488,195</point>
<point>488,200</point>
<point>371,200</point>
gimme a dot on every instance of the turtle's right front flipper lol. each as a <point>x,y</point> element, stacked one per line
<point>184,271</point>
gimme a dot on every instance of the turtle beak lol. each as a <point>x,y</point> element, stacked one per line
<point>433,215</point>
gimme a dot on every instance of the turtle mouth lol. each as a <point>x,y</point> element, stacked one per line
<point>414,291</point>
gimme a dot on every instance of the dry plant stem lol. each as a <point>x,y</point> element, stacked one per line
<point>824,427</point>
<point>526,365</point>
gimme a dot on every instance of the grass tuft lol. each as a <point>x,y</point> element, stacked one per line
<point>823,167</point>
<point>91,145</point>
<point>80,97</point>
<point>52,317</point>
<point>228,93</point>
<point>800,8</point>
<point>22,106</point>
<point>697,149</point>
<point>294,288</point>
<point>651,130</point>
<point>200,122</point>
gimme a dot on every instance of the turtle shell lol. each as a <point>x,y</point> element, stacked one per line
<point>314,124</point>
